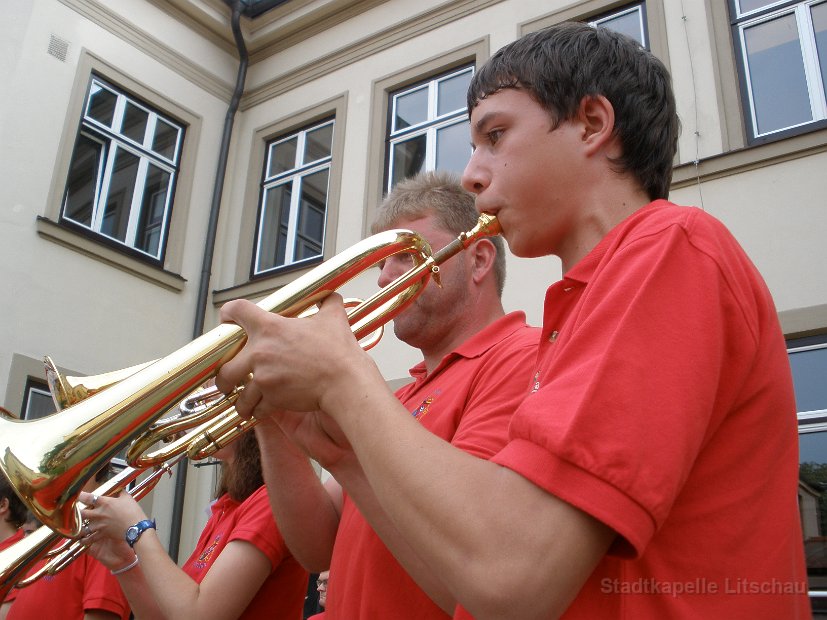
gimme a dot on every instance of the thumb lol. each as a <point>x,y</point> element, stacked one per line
<point>332,305</point>
<point>242,312</point>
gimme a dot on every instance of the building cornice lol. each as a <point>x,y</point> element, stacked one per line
<point>384,39</point>
<point>99,14</point>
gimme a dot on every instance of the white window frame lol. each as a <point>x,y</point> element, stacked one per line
<point>33,387</point>
<point>429,127</point>
<point>294,176</point>
<point>815,86</point>
<point>639,8</point>
<point>112,140</point>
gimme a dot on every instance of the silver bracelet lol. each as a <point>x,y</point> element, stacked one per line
<point>130,566</point>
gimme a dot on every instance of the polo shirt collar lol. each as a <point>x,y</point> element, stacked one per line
<point>477,344</point>
<point>582,272</point>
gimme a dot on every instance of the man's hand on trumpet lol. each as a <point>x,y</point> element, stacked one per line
<point>283,357</point>
<point>314,434</point>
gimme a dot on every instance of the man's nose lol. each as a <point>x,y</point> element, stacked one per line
<point>474,179</point>
<point>392,268</point>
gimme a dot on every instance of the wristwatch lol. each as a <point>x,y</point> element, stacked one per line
<point>134,532</point>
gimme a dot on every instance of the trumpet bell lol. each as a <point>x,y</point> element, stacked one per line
<point>50,459</point>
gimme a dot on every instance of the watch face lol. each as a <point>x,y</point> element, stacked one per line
<point>132,533</point>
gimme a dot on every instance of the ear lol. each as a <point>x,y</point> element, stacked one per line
<point>4,505</point>
<point>482,254</point>
<point>597,117</point>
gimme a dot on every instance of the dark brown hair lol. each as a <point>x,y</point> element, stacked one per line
<point>241,477</point>
<point>561,65</point>
<point>17,509</point>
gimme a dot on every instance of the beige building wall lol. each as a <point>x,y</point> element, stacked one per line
<point>93,310</point>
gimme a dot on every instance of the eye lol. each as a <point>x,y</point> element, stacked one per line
<point>494,136</point>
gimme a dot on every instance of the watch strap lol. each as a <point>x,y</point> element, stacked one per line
<point>134,532</point>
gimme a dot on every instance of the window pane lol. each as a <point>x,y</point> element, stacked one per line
<point>452,147</point>
<point>39,404</point>
<point>751,5</point>
<point>101,104</point>
<point>408,158</point>
<point>165,140</point>
<point>273,232</point>
<point>451,93</point>
<point>318,143</point>
<point>83,180</point>
<point>153,208</point>
<point>411,108</point>
<point>776,66</point>
<point>119,195</point>
<point>311,216</point>
<point>628,23</point>
<point>134,123</point>
<point>812,503</point>
<point>808,367</point>
<point>282,156</point>
<point>819,16</point>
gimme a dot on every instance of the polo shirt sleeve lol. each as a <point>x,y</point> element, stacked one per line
<point>257,526</point>
<point>101,590</point>
<point>629,389</point>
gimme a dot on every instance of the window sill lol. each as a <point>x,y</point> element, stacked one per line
<point>749,158</point>
<point>262,286</point>
<point>52,231</point>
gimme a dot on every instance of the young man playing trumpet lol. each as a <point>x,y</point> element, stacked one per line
<point>658,446</point>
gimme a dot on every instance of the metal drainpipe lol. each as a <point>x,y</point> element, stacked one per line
<point>209,249</point>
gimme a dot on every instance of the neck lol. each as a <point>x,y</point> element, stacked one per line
<point>597,219</point>
<point>479,321</point>
<point>6,529</point>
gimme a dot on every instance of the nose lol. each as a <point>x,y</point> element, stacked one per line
<point>474,178</point>
<point>393,267</point>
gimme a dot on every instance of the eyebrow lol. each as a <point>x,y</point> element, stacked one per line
<point>486,118</point>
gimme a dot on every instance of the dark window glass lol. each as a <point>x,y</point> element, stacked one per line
<point>102,105</point>
<point>409,157</point>
<point>310,235</point>
<point>452,148</point>
<point>82,182</point>
<point>119,196</point>
<point>451,93</point>
<point>274,223</point>
<point>151,220</point>
<point>809,368</point>
<point>37,402</point>
<point>165,140</point>
<point>134,123</point>
<point>283,156</point>
<point>411,109</point>
<point>318,144</point>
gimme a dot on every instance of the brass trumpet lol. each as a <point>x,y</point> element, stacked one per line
<point>51,458</point>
